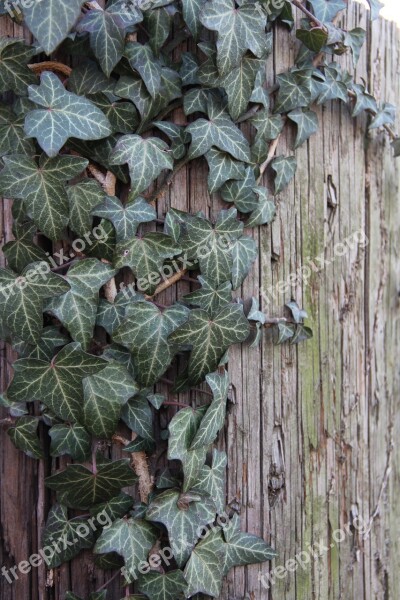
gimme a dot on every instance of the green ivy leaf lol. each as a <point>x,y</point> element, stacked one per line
<point>142,59</point>
<point>24,436</point>
<point>385,116</point>
<point>244,253</point>
<point>182,518</point>
<point>83,197</point>
<point>285,168</point>
<point>42,187</point>
<point>203,571</point>
<point>210,339</point>
<point>137,415</point>
<point>81,488</point>
<point>50,339</point>
<point>115,508</point>
<point>212,480</point>
<point>239,29</point>
<point>105,394</point>
<point>123,116</point>
<point>222,168</point>
<point>364,100</point>
<point>265,210</point>
<point>126,218</point>
<point>65,533</point>
<point>314,39</point>
<point>87,79</point>
<point>326,10</point>
<point>57,384</point>
<point>332,87</point>
<point>167,586</point>
<point>23,296</point>
<point>220,132</point>
<point>210,297</point>
<point>355,38</point>
<point>51,20</point>
<point>145,333</point>
<point>146,256</point>
<point>64,115</point>
<point>182,429</point>
<point>243,548</point>
<point>158,24</point>
<point>307,124</point>
<point>239,85</point>
<point>12,134</point>
<point>214,418</point>
<point>23,251</point>
<point>191,14</point>
<point>77,308</point>
<point>241,192</point>
<point>295,90</point>
<point>132,539</point>
<point>146,159</point>
<point>14,73</point>
<point>73,440</point>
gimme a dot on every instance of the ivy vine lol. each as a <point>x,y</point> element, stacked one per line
<point>81,149</point>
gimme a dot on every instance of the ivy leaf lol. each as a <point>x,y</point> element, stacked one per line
<point>243,548</point>
<point>105,394</point>
<point>220,132</point>
<point>145,256</point>
<point>285,332</point>
<point>241,192</point>
<point>22,251</point>
<point>87,79</point>
<point>314,39</point>
<point>332,87</point>
<point>123,116</point>
<point>307,124</point>
<point>265,210</point>
<point>15,75</point>
<point>57,384</point>
<point>212,480</point>
<point>50,21</point>
<point>77,308</point>
<point>73,440</point>
<point>295,90</point>
<point>182,518</point>
<point>158,25</point>
<point>24,436</point>
<point>146,159</point>
<point>115,508</point>
<point>42,187</point>
<point>66,533</point>
<point>364,100</point>
<point>222,168</point>
<point>12,134</point>
<point>23,296</point>
<point>177,135</point>
<point>214,418</point>
<point>210,297</point>
<point>239,29</point>
<point>132,539</point>
<point>204,569</point>
<point>326,10</point>
<point>385,116</point>
<point>64,115</point>
<point>285,168</point>
<point>83,197</point>
<point>50,339</point>
<point>212,246</point>
<point>145,333</point>
<point>107,35</point>
<point>239,85</point>
<point>191,14</point>
<point>142,59</point>
<point>182,429</point>
<point>167,586</point>
<point>268,126</point>
<point>210,339</point>
<point>81,488</point>
<point>125,218</point>
<point>138,417</point>
<point>355,38</point>
<point>244,253</point>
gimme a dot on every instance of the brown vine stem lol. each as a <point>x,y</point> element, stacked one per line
<point>50,65</point>
<point>309,14</point>
<point>167,283</point>
<point>271,154</point>
<point>140,466</point>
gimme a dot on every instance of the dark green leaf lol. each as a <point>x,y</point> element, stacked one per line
<point>168,586</point>
<point>73,440</point>
<point>66,535</point>
<point>307,124</point>
<point>24,436</point>
<point>315,38</point>
<point>285,168</point>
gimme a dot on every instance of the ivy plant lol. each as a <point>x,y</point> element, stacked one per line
<point>83,149</point>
